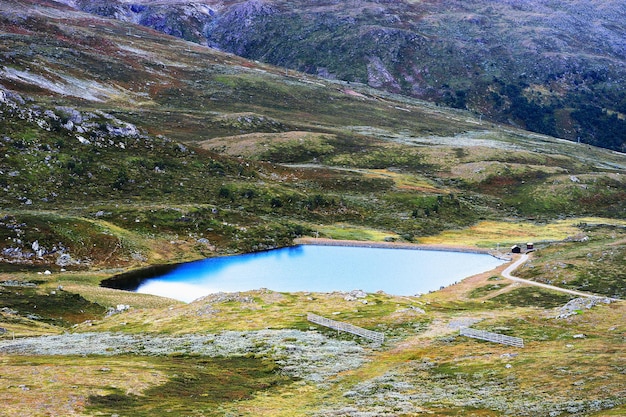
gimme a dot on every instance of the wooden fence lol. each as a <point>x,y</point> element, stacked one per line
<point>345,327</point>
<point>492,337</point>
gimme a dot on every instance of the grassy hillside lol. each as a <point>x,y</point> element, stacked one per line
<point>122,148</point>
<point>551,67</point>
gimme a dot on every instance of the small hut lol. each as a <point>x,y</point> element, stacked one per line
<point>530,246</point>
<point>516,249</point>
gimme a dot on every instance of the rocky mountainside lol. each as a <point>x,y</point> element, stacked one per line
<point>552,67</point>
<point>106,122</point>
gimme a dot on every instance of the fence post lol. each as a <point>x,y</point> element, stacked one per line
<point>492,337</point>
<point>346,327</point>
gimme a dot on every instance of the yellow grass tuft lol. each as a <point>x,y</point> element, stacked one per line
<point>489,234</point>
<point>341,231</point>
<point>60,386</point>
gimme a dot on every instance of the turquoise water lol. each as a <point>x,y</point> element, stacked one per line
<point>320,269</point>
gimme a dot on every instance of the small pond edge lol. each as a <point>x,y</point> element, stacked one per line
<point>130,280</point>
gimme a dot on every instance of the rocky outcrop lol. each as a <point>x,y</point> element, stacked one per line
<point>187,20</point>
<point>578,305</point>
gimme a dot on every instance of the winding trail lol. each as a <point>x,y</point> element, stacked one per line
<point>523,258</point>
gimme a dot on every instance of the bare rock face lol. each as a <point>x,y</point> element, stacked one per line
<point>239,29</point>
<point>379,76</point>
<point>187,20</point>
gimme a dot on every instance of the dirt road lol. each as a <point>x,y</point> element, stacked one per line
<point>523,258</point>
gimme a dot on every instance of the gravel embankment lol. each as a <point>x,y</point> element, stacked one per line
<point>393,245</point>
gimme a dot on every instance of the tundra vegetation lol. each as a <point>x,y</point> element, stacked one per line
<point>551,67</point>
<point>122,148</point>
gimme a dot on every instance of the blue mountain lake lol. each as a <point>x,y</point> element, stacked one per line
<point>319,269</point>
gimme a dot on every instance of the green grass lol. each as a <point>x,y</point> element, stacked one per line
<point>533,297</point>
<point>596,265</point>
<point>379,167</point>
<point>54,307</point>
<point>347,232</point>
<point>486,290</point>
<point>194,385</point>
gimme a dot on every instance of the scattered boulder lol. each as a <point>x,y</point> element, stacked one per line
<point>64,259</point>
<point>118,309</point>
<point>355,295</point>
<point>576,305</point>
<point>412,309</point>
<point>139,257</point>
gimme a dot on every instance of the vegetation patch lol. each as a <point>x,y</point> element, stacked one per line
<point>194,385</point>
<point>491,233</point>
<point>49,238</point>
<point>347,232</point>
<point>57,307</point>
<point>276,147</point>
<point>486,290</point>
<point>533,297</point>
<point>593,260</point>
<point>383,157</point>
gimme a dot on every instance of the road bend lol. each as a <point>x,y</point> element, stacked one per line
<point>523,258</point>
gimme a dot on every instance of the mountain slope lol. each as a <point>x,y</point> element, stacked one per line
<point>551,67</point>
<point>122,147</point>
<point>96,111</point>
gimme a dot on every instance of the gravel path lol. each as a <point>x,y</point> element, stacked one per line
<point>507,274</point>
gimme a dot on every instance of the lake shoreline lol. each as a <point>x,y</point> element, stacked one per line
<point>323,268</point>
<point>389,245</point>
<point>130,280</point>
